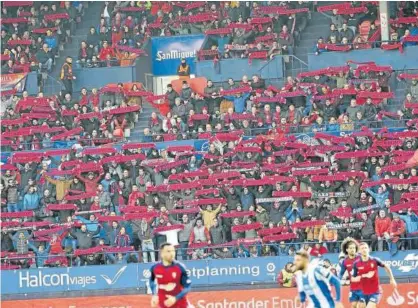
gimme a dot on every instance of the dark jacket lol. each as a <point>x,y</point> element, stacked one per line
<point>217,234</point>
<point>93,39</point>
<point>84,239</point>
<point>43,56</point>
<point>368,229</point>
<point>171,96</point>
<point>12,194</point>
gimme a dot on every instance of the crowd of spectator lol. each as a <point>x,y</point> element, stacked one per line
<point>356,25</point>
<point>96,117</point>
<point>242,198</point>
<point>234,29</point>
<point>335,99</point>
<point>253,190</point>
<point>33,34</point>
<point>258,32</point>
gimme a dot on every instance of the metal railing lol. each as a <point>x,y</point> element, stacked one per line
<point>371,45</point>
<point>302,129</point>
<point>49,85</point>
<point>292,130</point>
<point>239,250</point>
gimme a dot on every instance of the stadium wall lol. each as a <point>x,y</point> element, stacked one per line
<point>203,272</point>
<point>236,68</point>
<point>398,60</point>
<point>407,296</point>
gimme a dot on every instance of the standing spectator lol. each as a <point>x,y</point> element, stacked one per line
<point>106,51</point>
<point>12,194</point>
<point>93,40</point>
<point>52,42</point>
<point>199,233</point>
<point>217,233</point>
<point>184,235</point>
<point>286,277</point>
<point>397,232</point>
<point>380,196</point>
<point>336,19</point>
<point>171,95</point>
<point>261,215</point>
<point>183,70</point>
<point>84,237</point>
<point>42,253</point>
<point>367,232</point>
<point>329,237</point>
<point>20,241</point>
<point>146,236</point>
<point>67,76</point>
<point>239,101</point>
<point>122,239</point>
<point>31,199</point>
<point>411,224</point>
<point>104,198</point>
<point>382,227</point>
<point>209,215</point>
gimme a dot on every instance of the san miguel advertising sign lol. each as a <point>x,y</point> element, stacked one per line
<point>168,51</point>
<point>405,296</point>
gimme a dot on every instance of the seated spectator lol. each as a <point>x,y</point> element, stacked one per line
<point>85,55</point>
<point>346,32</point>
<point>45,58</point>
<point>334,33</point>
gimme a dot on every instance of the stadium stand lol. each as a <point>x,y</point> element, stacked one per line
<point>78,188</point>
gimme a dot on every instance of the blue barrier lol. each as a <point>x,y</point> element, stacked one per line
<point>99,77</point>
<point>31,84</point>
<point>203,273</point>
<point>398,60</point>
<point>236,68</point>
<point>166,53</point>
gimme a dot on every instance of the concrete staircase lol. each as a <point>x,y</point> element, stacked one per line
<point>91,18</point>
<point>138,132</point>
<point>318,26</point>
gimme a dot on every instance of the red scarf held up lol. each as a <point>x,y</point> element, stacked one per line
<point>246,227</point>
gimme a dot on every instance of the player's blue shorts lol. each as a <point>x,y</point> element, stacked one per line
<point>355,296</point>
<point>374,298</point>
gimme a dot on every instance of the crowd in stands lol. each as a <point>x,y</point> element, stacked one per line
<point>261,32</point>
<point>356,25</point>
<point>33,33</point>
<point>335,99</point>
<point>255,188</point>
<point>234,29</point>
<point>95,118</point>
<point>242,198</point>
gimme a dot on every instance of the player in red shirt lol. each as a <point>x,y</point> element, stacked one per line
<point>350,248</point>
<point>365,271</point>
<point>172,279</point>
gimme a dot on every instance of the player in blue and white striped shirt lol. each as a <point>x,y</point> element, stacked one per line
<point>315,282</point>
